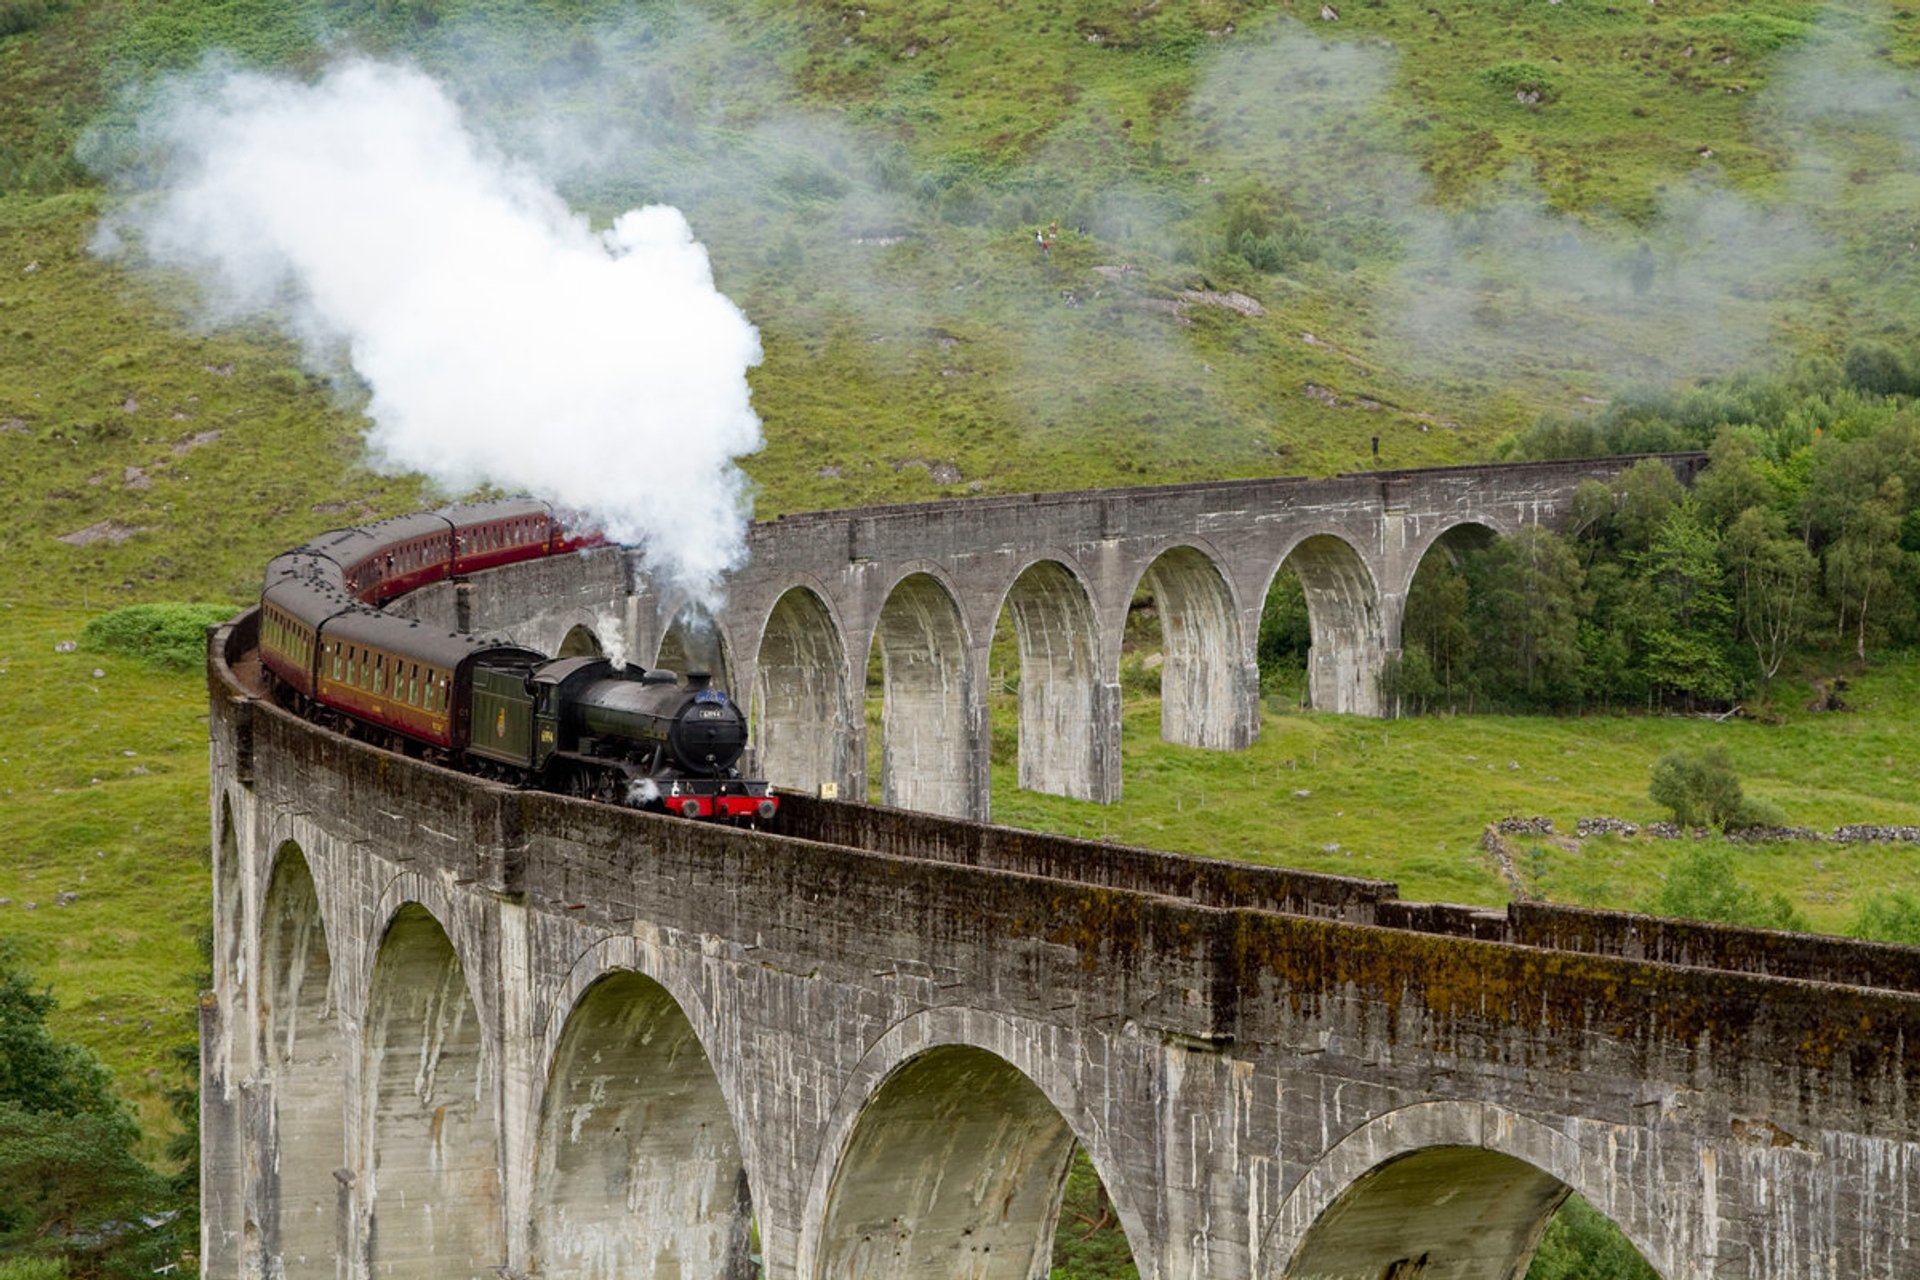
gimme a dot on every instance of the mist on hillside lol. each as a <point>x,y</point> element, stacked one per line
<point>502,340</point>
<point>1481,287</point>
<point>845,233</point>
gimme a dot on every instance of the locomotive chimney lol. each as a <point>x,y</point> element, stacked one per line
<point>699,679</point>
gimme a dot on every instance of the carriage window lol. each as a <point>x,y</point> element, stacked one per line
<point>413,685</point>
<point>380,673</point>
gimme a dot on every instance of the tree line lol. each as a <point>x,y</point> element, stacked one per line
<point>1801,537</point>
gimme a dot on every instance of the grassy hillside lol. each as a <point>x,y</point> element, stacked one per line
<point>1280,236</point>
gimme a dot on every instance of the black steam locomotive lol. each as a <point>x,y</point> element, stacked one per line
<point>578,725</point>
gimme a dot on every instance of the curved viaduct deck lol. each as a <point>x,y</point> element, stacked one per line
<point>924,585</point>
<point>462,1031</point>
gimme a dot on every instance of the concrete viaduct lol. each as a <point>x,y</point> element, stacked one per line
<point>458,1030</point>
<point>925,585</point>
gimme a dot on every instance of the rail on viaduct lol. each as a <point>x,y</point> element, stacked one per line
<point>458,1030</point>
<point>925,585</point>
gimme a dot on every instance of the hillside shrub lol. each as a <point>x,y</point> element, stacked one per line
<point>1889,917</point>
<point>1753,34</point>
<point>1702,885</point>
<point>171,636</point>
<point>20,16</point>
<point>1698,788</point>
<point>1753,812</point>
<point>1257,228</point>
<point>1526,81</point>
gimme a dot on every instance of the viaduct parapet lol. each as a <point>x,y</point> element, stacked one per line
<point>459,1031</point>
<point>925,585</point>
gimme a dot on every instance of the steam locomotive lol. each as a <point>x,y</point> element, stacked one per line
<point>578,725</point>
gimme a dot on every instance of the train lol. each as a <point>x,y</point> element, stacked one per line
<point>582,725</point>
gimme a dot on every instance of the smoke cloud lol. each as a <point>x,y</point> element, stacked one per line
<point>503,340</point>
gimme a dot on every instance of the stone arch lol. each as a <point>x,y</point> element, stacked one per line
<point>304,1055</point>
<point>638,1167</point>
<point>433,1180</point>
<point>1069,715</point>
<point>1461,1189</point>
<point>230,906</point>
<point>1433,598</point>
<point>581,641</point>
<point>802,721</point>
<point>627,953</point>
<point>695,641</point>
<point>929,728</point>
<point>1349,625</point>
<point>976,1108</point>
<point>1454,540</point>
<point>1209,684</point>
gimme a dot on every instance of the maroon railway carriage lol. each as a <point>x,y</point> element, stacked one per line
<point>302,592</point>
<point>489,534</point>
<point>400,555</point>
<point>403,676</point>
<point>380,561</point>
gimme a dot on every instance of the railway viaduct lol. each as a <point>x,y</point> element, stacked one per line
<point>462,1031</point>
<point>924,586</point>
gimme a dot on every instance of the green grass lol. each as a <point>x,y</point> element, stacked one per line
<point>105,873</point>
<point>1407,800</point>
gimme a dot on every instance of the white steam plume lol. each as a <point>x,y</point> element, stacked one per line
<point>502,339</point>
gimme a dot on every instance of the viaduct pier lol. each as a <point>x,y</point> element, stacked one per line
<point>458,1030</point>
